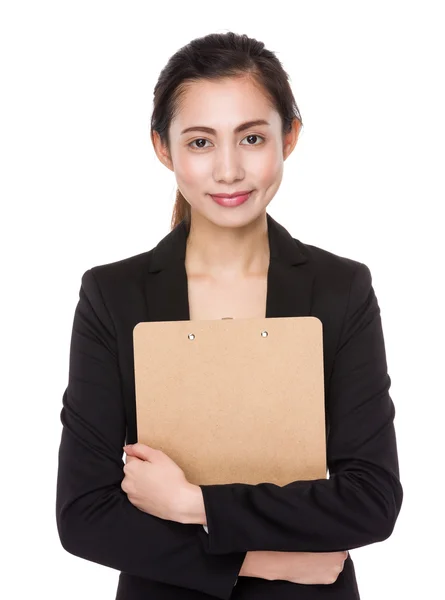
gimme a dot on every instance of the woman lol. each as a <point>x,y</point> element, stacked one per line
<point>224,121</point>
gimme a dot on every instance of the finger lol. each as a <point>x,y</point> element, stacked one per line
<point>142,451</point>
<point>128,459</point>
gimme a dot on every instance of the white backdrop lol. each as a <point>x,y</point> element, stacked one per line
<point>81,186</point>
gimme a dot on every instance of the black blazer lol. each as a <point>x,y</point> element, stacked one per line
<point>357,505</point>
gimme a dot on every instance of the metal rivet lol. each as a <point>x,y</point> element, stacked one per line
<point>264,334</point>
<point>191,336</point>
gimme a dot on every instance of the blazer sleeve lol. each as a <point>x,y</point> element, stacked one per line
<point>360,501</point>
<point>95,519</point>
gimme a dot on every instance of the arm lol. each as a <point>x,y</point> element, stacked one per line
<point>360,502</point>
<point>95,519</point>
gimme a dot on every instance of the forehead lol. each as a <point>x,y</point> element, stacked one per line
<point>224,102</point>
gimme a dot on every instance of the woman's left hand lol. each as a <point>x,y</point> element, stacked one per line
<point>153,482</point>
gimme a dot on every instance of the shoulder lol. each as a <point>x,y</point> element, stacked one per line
<point>334,269</point>
<point>115,289</point>
<point>322,259</point>
<point>125,272</point>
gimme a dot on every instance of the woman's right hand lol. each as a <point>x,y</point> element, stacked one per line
<point>297,567</point>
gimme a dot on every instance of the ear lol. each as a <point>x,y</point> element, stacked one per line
<point>161,150</point>
<point>290,139</point>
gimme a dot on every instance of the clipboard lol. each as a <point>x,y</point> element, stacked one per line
<point>233,400</point>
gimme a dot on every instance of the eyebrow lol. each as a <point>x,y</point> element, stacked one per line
<point>241,127</point>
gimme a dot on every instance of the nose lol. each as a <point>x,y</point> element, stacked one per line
<point>228,165</point>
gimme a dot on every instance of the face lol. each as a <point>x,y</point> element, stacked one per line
<point>225,160</point>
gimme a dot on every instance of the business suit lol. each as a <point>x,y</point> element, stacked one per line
<point>356,506</point>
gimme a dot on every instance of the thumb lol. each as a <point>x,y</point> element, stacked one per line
<point>140,451</point>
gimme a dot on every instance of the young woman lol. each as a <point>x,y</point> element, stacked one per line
<point>224,121</point>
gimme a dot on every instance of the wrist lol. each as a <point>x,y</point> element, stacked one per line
<point>192,509</point>
<point>260,563</point>
<point>246,567</point>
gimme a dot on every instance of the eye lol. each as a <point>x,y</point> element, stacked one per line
<point>254,135</point>
<point>197,140</point>
<point>251,135</point>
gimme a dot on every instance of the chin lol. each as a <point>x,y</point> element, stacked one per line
<point>234,218</point>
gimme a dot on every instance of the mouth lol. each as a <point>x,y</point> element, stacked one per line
<point>231,200</point>
<point>234,195</point>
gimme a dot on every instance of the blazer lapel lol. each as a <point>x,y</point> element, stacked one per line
<point>289,282</point>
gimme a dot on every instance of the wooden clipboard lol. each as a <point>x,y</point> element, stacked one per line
<point>233,400</point>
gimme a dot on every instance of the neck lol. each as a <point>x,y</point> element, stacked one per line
<point>227,252</point>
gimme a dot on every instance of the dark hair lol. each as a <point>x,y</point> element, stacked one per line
<point>215,56</point>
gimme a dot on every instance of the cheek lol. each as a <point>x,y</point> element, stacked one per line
<point>190,169</point>
<point>269,168</point>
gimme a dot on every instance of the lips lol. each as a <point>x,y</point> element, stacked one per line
<point>234,195</point>
<point>229,201</point>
